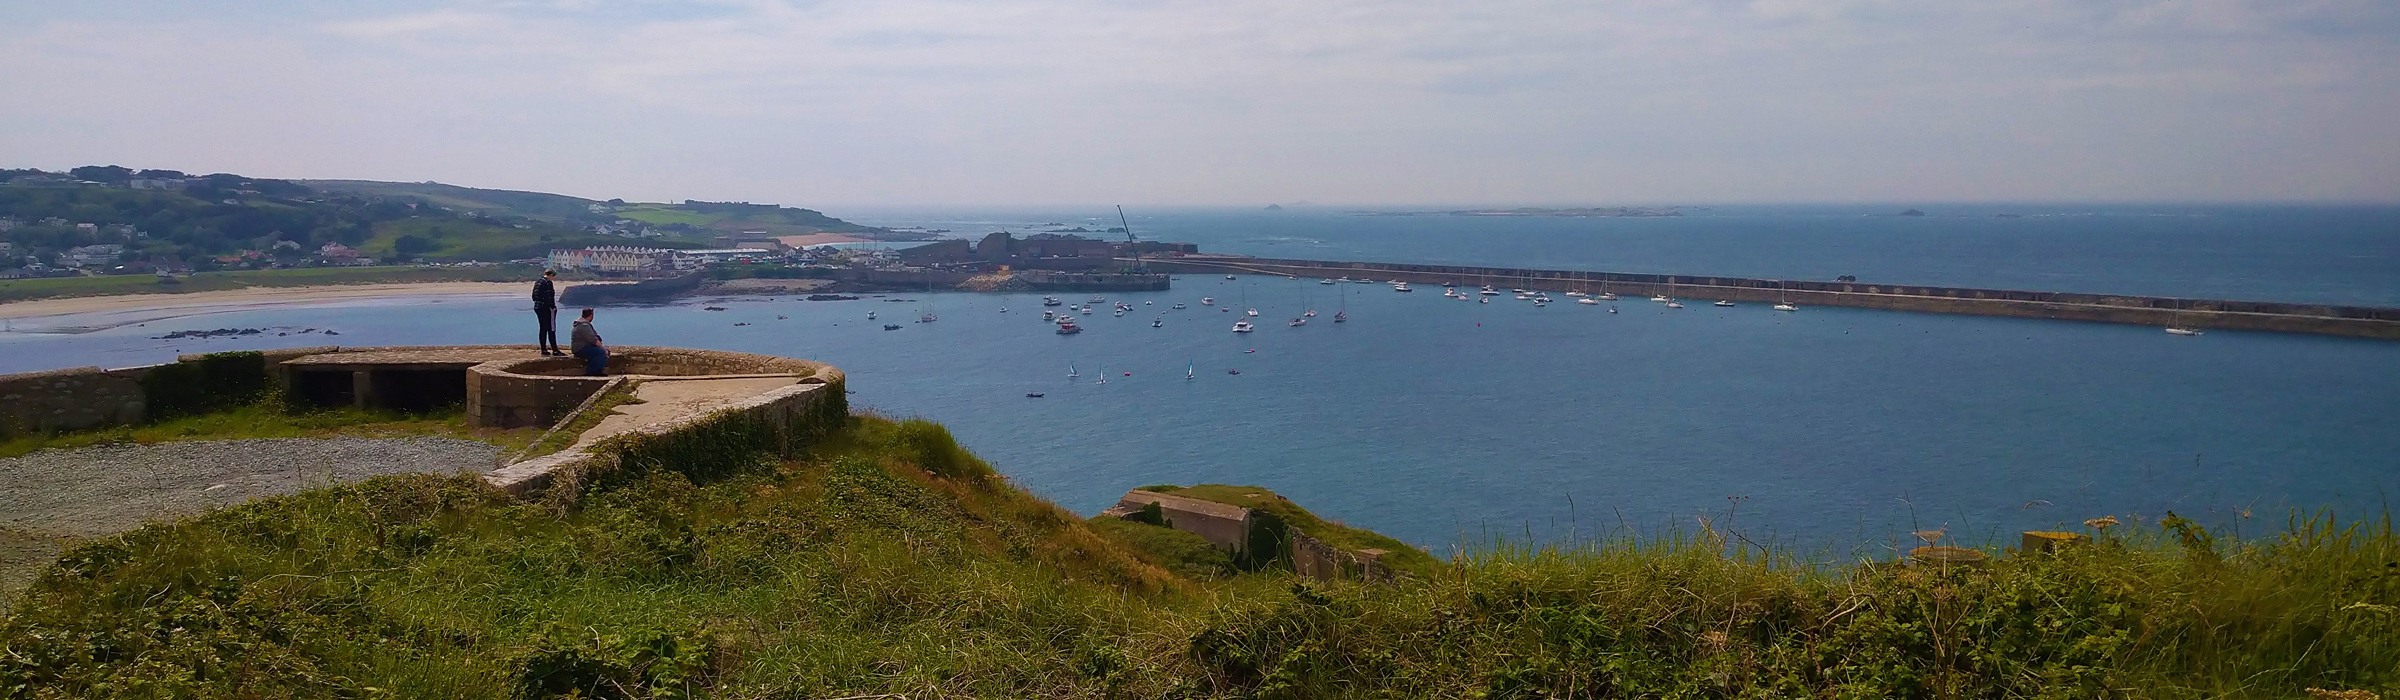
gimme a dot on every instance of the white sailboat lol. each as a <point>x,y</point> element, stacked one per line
<point>1071,370</point>
<point>2175,324</point>
<point>1342,315</point>
<point>1783,299</point>
<point>1189,369</point>
<point>1242,326</point>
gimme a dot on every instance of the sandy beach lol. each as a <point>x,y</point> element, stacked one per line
<point>170,305</point>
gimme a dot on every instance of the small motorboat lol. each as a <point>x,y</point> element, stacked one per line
<point>1252,351</point>
<point>1155,323</point>
<point>1048,315</point>
<point>1068,327</point>
<point>1588,301</point>
<point>870,315</point>
<point>1674,304</point>
<point>1660,298</point>
<point>1033,394</point>
<point>1341,316</point>
<point>1149,303</point>
<point>2184,331</point>
<point>1324,281</point>
<point>891,326</point>
<point>1233,371</point>
<point>1229,277</point>
<point>1401,287</point>
<point>1312,313</point>
<point>1051,301</point>
<point>1612,309</point>
<point>1488,290</point>
<point>1241,326</point>
<point>1207,301</point>
<point>1177,307</point>
<point>1724,302</point>
<point>712,308</point>
<point>1252,312</point>
<point>1298,322</point>
<point>1004,309</point>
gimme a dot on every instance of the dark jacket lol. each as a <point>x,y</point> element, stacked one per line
<point>584,335</point>
<point>545,295</point>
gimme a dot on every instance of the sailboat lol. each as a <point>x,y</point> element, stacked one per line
<point>1342,315</point>
<point>1189,369</point>
<point>1783,300</point>
<point>2175,324</point>
<point>927,316</point>
<point>1242,326</point>
<point>1604,294</point>
<point>1071,370</point>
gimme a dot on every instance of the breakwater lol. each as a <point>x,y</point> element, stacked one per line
<point>2321,319</point>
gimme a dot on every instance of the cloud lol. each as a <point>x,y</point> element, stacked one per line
<point>933,101</point>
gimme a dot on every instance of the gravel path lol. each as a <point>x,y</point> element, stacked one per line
<point>101,490</point>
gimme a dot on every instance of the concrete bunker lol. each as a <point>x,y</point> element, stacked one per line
<point>503,387</point>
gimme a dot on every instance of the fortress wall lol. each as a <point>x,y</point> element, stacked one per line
<point>2321,319</point>
<point>71,399</point>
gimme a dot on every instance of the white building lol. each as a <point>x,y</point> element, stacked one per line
<point>612,259</point>
<point>91,255</point>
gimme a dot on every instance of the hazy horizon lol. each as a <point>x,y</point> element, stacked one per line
<point>1356,104</point>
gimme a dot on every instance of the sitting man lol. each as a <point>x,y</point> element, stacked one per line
<point>585,343</point>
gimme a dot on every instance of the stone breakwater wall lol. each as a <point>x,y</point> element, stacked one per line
<point>2321,319</point>
<point>71,399</point>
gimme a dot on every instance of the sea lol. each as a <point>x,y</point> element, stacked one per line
<point>1460,425</point>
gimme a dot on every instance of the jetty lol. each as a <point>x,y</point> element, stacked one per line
<point>2275,317</point>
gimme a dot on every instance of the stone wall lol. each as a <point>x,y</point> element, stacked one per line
<point>71,399</point>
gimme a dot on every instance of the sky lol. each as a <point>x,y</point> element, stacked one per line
<point>1231,102</point>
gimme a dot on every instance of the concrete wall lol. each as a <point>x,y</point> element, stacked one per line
<point>1224,525</point>
<point>1315,559</point>
<point>71,399</point>
<point>794,411</point>
<point>2323,319</point>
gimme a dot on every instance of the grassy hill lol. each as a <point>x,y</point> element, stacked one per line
<point>531,205</point>
<point>740,216</point>
<point>466,239</point>
<point>890,562</point>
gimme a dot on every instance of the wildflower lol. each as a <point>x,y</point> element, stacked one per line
<point>2102,523</point>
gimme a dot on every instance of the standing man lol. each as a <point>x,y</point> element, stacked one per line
<point>586,342</point>
<point>545,309</point>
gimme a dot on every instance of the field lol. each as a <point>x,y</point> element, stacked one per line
<point>889,562</point>
<point>111,285</point>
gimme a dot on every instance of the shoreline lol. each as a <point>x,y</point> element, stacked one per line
<point>190,303</point>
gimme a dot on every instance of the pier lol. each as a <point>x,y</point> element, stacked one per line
<point>2276,317</point>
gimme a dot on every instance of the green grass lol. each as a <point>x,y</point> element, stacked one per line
<point>890,561</point>
<point>268,420</point>
<point>468,240</point>
<point>111,285</point>
<point>661,214</point>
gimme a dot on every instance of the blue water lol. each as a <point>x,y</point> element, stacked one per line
<point>1442,422</point>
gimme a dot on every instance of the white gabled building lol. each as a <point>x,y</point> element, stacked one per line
<point>612,259</point>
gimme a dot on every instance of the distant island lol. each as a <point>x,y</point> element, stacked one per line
<point>1573,212</point>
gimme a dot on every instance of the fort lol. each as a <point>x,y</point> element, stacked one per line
<point>2320,319</point>
<point>664,399</point>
